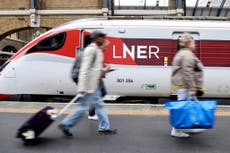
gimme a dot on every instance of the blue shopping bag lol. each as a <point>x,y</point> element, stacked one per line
<point>191,113</point>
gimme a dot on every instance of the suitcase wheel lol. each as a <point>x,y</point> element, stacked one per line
<point>28,136</point>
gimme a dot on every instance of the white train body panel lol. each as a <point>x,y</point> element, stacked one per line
<point>137,52</point>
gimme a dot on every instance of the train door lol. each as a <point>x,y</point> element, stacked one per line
<point>176,36</point>
<point>85,39</point>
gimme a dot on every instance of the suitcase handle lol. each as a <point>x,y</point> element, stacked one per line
<point>77,97</point>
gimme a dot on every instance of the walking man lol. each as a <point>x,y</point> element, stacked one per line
<point>90,76</point>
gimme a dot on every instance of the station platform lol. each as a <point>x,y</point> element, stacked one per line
<point>142,128</point>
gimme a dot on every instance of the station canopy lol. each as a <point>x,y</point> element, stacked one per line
<point>212,8</point>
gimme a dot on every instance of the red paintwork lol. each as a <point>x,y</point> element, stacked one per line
<point>108,54</point>
<point>31,44</point>
<point>3,96</point>
<point>68,49</point>
<point>211,53</point>
<point>71,43</point>
<point>215,53</point>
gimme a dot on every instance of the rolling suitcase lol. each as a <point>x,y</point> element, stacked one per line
<point>38,122</point>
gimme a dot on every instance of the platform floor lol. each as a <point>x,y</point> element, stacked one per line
<point>137,133</point>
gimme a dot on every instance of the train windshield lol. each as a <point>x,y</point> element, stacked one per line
<point>51,43</point>
<point>4,65</point>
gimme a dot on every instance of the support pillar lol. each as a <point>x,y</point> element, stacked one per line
<point>105,8</point>
<point>179,9</point>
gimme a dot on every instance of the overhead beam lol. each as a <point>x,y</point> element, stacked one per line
<point>6,53</point>
<point>14,12</point>
<point>170,18</point>
<point>144,12</point>
<point>51,12</point>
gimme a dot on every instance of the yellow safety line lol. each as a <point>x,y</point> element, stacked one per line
<point>110,112</point>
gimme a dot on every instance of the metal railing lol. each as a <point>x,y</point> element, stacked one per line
<point>132,17</point>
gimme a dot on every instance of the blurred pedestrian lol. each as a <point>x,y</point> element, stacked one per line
<point>92,114</point>
<point>187,76</point>
<point>88,87</point>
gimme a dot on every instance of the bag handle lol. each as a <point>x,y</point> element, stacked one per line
<point>77,97</point>
<point>194,98</point>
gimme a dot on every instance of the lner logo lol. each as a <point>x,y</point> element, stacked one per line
<point>137,52</point>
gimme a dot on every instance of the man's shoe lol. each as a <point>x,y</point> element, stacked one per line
<point>94,117</point>
<point>108,132</point>
<point>178,133</point>
<point>65,131</point>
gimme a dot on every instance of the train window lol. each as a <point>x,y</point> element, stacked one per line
<point>178,40</point>
<point>51,43</point>
<point>87,40</point>
<point>176,36</point>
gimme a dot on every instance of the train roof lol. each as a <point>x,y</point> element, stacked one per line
<point>135,22</point>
